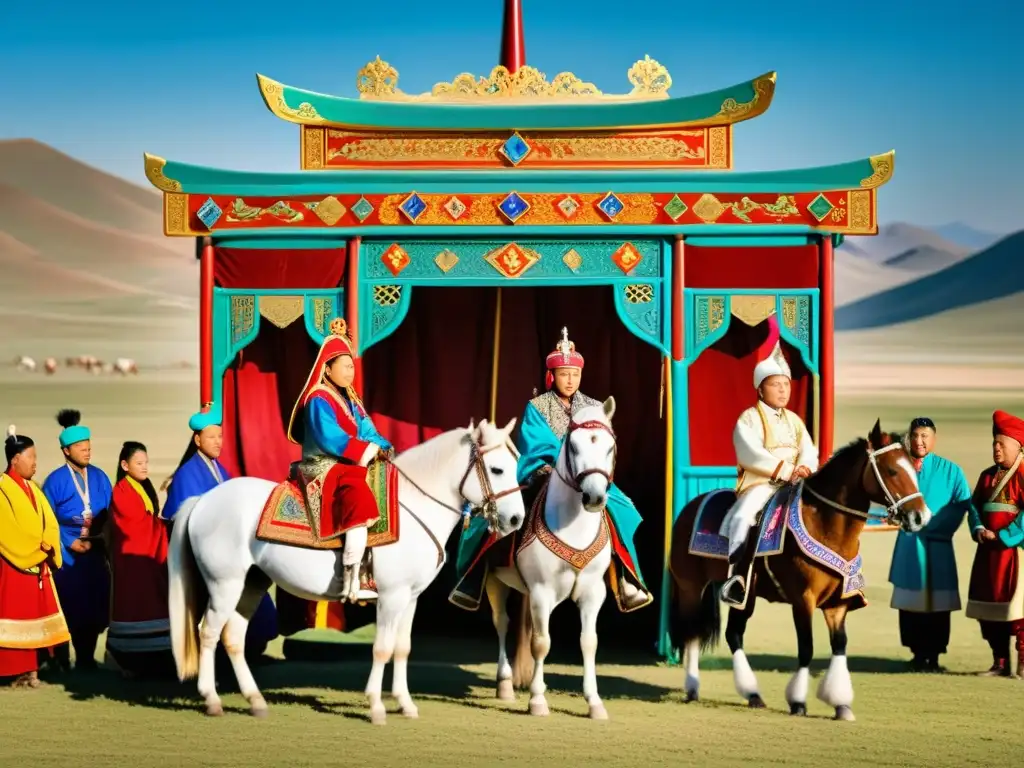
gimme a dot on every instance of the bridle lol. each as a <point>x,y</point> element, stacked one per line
<point>894,504</point>
<point>487,508</point>
<point>575,479</point>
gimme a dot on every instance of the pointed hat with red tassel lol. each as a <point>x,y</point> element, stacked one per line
<point>773,362</point>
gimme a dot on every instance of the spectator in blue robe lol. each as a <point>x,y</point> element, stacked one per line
<point>80,495</point>
<point>198,472</point>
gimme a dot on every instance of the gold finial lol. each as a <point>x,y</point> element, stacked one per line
<point>565,346</point>
<point>649,77</point>
<point>378,79</point>
<point>273,96</point>
<point>882,167</point>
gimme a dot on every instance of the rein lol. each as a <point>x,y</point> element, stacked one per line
<point>488,506</point>
<point>575,479</point>
<point>892,508</point>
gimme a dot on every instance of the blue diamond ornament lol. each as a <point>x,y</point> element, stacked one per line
<point>610,205</point>
<point>209,213</point>
<point>515,149</point>
<point>413,207</point>
<point>513,207</point>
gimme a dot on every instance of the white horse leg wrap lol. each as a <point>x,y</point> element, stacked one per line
<point>355,546</point>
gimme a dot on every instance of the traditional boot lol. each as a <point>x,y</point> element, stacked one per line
<point>734,590</point>
<point>353,584</point>
<point>999,668</point>
<point>28,680</point>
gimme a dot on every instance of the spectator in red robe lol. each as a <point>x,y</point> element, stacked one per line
<point>139,636</point>
<point>30,615</point>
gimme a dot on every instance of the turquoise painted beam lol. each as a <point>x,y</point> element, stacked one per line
<point>172,176</point>
<point>710,234</point>
<point>729,105</point>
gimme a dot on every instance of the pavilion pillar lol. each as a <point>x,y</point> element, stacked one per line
<point>352,306</point>
<point>826,348</point>
<point>206,269</point>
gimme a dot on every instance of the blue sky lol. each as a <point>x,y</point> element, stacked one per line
<point>937,81</point>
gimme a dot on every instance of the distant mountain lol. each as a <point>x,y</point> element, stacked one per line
<point>84,263</point>
<point>924,260</point>
<point>994,273</point>
<point>895,240</point>
<point>857,277</point>
<point>967,236</point>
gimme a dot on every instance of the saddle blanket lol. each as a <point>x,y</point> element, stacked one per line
<point>784,512</point>
<point>493,552</point>
<point>707,542</point>
<point>286,520</point>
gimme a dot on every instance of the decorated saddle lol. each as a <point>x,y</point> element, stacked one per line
<point>783,513</point>
<point>292,513</point>
<point>493,552</point>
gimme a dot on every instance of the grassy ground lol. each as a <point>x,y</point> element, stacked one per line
<point>317,715</point>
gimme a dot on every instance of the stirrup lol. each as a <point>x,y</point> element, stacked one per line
<point>727,587</point>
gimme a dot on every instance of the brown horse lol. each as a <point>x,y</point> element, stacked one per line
<point>823,531</point>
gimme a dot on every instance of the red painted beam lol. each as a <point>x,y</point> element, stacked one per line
<point>513,39</point>
<point>678,284</point>
<point>826,348</point>
<point>206,263</point>
<point>352,306</point>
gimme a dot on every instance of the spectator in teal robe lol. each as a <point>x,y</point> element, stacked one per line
<point>926,589</point>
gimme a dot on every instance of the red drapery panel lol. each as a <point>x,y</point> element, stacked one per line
<point>260,389</point>
<point>768,268</point>
<point>721,387</point>
<point>270,268</point>
<point>434,374</point>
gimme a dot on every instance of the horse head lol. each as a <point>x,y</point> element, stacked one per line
<point>490,483</point>
<point>589,454</point>
<point>893,483</point>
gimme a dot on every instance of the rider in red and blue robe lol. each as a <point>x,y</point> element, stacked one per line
<point>338,441</point>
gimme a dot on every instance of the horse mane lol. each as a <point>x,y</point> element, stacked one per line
<point>856,448</point>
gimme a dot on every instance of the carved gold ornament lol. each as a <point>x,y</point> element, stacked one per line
<point>282,311</point>
<point>882,167</point>
<point>446,260</point>
<point>273,95</point>
<point>155,174</point>
<point>379,80</point>
<point>752,310</point>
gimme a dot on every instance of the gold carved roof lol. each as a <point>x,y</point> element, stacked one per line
<point>378,80</point>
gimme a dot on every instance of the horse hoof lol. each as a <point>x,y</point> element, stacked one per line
<point>214,710</point>
<point>260,712</point>
<point>798,709</point>
<point>844,713</point>
<point>505,691</point>
<point>598,712</point>
<point>756,702</point>
<point>539,707</point>
<point>378,718</point>
<point>410,712</point>
<point>692,696</point>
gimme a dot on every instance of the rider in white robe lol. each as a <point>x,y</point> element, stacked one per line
<point>773,447</point>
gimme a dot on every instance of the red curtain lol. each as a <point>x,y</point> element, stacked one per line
<point>260,389</point>
<point>434,374</point>
<point>270,268</point>
<point>721,386</point>
<point>769,268</point>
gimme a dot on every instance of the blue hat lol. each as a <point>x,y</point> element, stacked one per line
<point>73,431</point>
<point>204,419</point>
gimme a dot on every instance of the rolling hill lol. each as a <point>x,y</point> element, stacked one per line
<point>906,247</point>
<point>994,273</point>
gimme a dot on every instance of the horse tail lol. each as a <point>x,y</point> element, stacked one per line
<point>522,663</point>
<point>694,611</point>
<point>187,594</point>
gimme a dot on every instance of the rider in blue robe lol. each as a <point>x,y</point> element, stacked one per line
<point>541,431</point>
<point>198,472</point>
<point>79,494</point>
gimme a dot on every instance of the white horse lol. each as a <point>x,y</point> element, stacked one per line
<point>574,513</point>
<point>214,538</point>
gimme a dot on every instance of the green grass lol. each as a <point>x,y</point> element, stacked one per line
<point>317,709</point>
